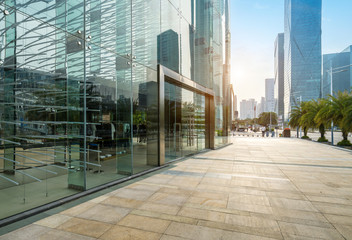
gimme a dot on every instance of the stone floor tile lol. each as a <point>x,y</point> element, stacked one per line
<point>286,194</point>
<point>53,221</point>
<point>122,202</point>
<point>249,207</point>
<point>215,181</point>
<point>176,191</point>
<point>337,219</point>
<point>140,195</point>
<point>249,199</point>
<point>292,204</point>
<point>252,231</point>
<point>336,209</point>
<point>300,217</point>
<point>202,214</point>
<point>29,232</point>
<point>74,211</point>
<point>201,233</point>
<point>346,231</point>
<point>85,227</point>
<point>208,202</point>
<point>145,186</point>
<point>309,231</point>
<point>125,233</point>
<point>62,235</point>
<point>105,213</point>
<point>99,199</point>
<point>250,221</point>
<point>168,209</point>
<point>145,223</point>
<point>327,199</point>
<point>210,195</point>
<point>168,199</point>
<point>169,237</point>
<point>174,218</point>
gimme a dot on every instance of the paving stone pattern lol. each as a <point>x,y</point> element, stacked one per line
<point>257,188</point>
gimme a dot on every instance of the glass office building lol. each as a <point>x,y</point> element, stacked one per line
<point>302,49</point>
<point>340,64</point>
<point>98,90</point>
<point>279,66</point>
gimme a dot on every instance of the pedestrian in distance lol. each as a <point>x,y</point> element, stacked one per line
<point>263,131</point>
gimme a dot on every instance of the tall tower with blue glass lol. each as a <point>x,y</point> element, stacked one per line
<point>302,51</point>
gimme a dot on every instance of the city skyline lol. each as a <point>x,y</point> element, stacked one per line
<point>249,53</point>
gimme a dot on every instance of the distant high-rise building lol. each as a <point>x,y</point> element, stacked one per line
<point>279,73</point>
<point>302,49</point>
<point>269,95</point>
<point>235,108</point>
<point>168,50</point>
<point>261,106</point>
<point>248,109</point>
<point>341,74</point>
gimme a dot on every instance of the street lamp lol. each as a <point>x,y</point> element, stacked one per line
<point>339,69</point>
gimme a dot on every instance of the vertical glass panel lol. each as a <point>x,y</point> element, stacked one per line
<point>173,123</point>
<point>202,71</point>
<point>174,3</point>
<point>186,44</point>
<point>188,126</point>
<point>145,93</point>
<point>199,120</point>
<point>108,92</point>
<point>168,40</point>
<point>187,10</point>
<point>145,31</point>
<point>40,112</point>
<point>124,125</point>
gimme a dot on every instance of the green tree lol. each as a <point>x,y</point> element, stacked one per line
<point>322,118</point>
<point>264,118</point>
<point>309,110</point>
<point>339,113</point>
<point>296,115</point>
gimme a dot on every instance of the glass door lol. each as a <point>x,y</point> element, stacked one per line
<point>173,124</point>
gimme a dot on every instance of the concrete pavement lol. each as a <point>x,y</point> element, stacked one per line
<point>257,188</point>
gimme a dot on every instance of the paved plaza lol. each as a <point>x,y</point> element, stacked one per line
<point>257,188</point>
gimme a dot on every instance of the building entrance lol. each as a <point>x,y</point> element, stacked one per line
<point>186,121</point>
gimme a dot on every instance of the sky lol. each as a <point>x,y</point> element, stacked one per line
<point>254,27</point>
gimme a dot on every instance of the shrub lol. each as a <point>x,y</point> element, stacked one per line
<point>322,139</point>
<point>344,143</point>
<point>305,137</point>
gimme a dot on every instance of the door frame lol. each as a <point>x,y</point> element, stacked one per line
<point>167,75</point>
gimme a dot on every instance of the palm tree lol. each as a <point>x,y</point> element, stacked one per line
<point>322,118</point>
<point>339,113</point>
<point>309,110</point>
<point>295,116</point>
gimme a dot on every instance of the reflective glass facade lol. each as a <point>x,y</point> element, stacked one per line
<point>79,91</point>
<point>340,64</point>
<point>279,66</point>
<point>302,46</point>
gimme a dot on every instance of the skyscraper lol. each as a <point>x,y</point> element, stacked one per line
<point>342,74</point>
<point>248,109</point>
<point>302,46</point>
<point>279,72</point>
<point>269,95</point>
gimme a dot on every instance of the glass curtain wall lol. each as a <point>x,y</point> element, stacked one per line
<point>78,91</point>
